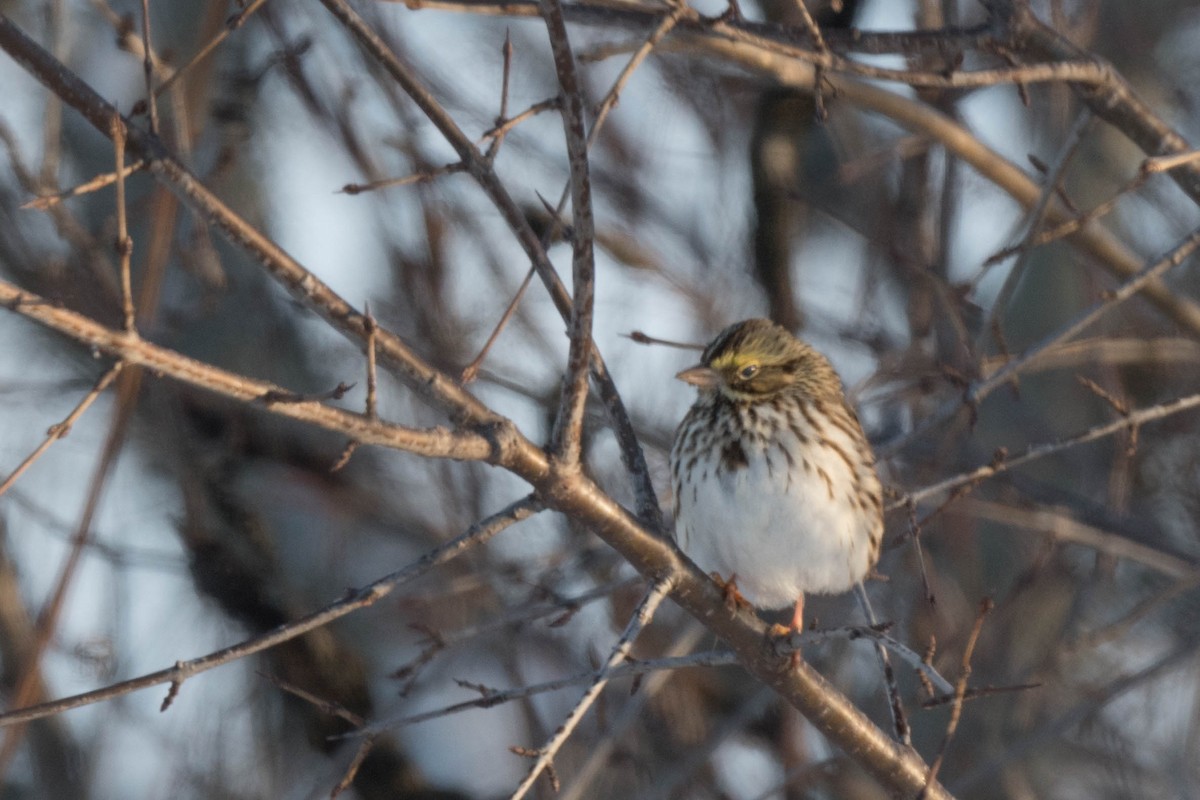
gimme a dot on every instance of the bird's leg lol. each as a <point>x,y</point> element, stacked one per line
<point>797,626</point>
<point>734,600</point>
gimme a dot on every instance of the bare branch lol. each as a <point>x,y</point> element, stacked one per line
<point>367,596</point>
<point>960,691</point>
<point>148,70</point>
<point>436,442</point>
<point>1134,419</point>
<point>99,182</point>
<point>633,669</point>
<point>60,430</point>
<point>1034,220</point>
<point>1152,272</point>
<point>620,652</point>
<point>302,283</point>
<point>124,243</point>
<point>767,49</point>
<point>482,171</point>
<point>231,25</point>
<point>569,425</point>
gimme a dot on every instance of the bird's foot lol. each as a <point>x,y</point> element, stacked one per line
<point>781,634</point>
<point>734,600</point>
<point>780,637</point>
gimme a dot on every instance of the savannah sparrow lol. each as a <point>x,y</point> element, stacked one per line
<point>775,484</point>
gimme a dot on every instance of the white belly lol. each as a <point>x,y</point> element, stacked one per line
<point>781,529</point>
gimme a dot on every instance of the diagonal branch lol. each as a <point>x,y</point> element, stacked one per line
<point>476,535</point>
<point>481,169</point>
<point>1111,98</point>
<point>438,442</point>
<point>1132,420</point>
<point>61,429</point>
<point>640,619</point>
<point>309,289</point>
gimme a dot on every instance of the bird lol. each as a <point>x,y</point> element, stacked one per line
<point>776,494</point>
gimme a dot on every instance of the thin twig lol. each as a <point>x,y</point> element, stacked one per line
<point>668,23</point>
<point>60,430</point>
<point>1072,225</point>
<point>632,669</point>
<point>895,706</point>
<point>99,182</point>
<point>643,338</point>
<point>124,243</point>
<point>1148,275</point>
<point>436,441</point>
<point>387,183</point>
<point>504,126</point>
<point>372,381</point>
<point>506,53</point>
<point>231,25</point>
<point>976,693</point>
<point>314,293</point>
<point>471,371</point>
<point>1034,452</point>
<point>875,634</point>
<point>1033,221</point>
<point>482,171</point>
<point>561,608</point>
<point>960,690</point>
<point>372,330</point>
<point>822,49</point>
<point>640,619</point>
<point>1153,271</point>
<point>633,713</point>
<point>476,535</point>
<point>28,685</point>
<point>336,710</point>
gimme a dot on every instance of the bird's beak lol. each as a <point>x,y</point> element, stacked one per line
<point>700,376</point>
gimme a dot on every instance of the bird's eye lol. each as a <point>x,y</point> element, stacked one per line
<point>747,372</point>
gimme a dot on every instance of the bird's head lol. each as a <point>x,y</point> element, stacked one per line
<point>756,359</point>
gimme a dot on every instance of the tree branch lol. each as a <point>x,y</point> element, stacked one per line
<point>569,426</point>
<point>435,442</point>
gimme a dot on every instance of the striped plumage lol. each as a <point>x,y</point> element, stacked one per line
<point>774,480</point>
